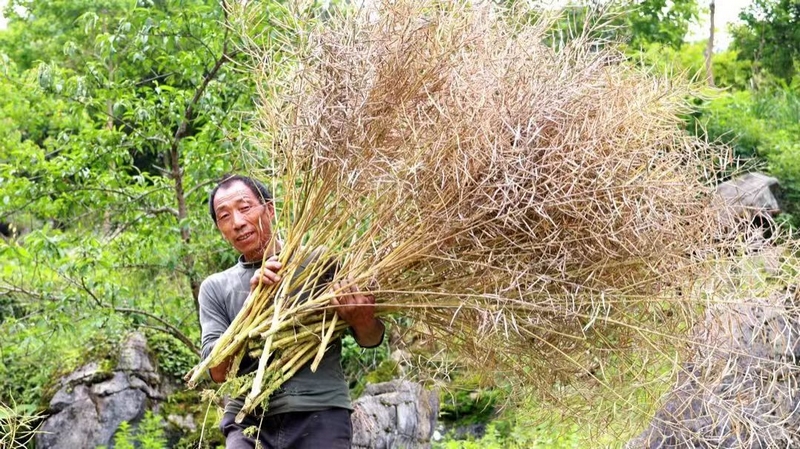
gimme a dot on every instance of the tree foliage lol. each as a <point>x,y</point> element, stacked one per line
<point>116,116</point>
<point>664,22</point>
<point>770,36</point>
<point>636,23</point>
<point>765,126</point>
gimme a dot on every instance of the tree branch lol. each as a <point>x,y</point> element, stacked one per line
<point>189,112</point>
<point>168,328</point>
<point>87,290</point>
<point>198,186</point>
<point>163,210</point>
<point>180,133</point>
<point>176,171</point>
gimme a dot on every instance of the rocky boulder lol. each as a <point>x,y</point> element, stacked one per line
<point>749,204</point>
<point>741,391</point>
<point>396,414</point>
<point>92,402</point>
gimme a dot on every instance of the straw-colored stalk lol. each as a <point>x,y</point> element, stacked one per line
<point>536,209</point>
<point>17,429</point>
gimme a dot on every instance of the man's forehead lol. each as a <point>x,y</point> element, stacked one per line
<point>234,192</point>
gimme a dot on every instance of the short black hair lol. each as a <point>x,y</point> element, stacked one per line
<point>257,187</point>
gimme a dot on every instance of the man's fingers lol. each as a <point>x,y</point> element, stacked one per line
<point>349,294</point>
<point>265,275</point>
<point>270,276</point>
<point>273,265</point>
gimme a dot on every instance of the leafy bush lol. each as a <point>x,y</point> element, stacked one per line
<point>151,432</point>
<point>464,405</point>
<point>763,125</point>
<point>39,348</point>
<point>364,365</point>
<point>173,357</point>
<point>123,438</point>
<point>148,435</point>
<point>510,435</point>
<point>689,60</point>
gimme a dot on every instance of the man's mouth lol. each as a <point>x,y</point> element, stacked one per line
<point>244,236</point>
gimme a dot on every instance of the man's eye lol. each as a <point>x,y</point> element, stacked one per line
<point>223,216</point>
<point>245,208</point>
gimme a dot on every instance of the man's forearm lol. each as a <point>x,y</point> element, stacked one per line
<point>219,372</point>
<point>370,334</point>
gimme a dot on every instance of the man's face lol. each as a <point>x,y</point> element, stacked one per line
<point>243,220</point>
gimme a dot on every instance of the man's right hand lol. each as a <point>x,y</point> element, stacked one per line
<point>267,274</point>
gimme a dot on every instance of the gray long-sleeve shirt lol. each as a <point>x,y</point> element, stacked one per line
<point>222,296</point>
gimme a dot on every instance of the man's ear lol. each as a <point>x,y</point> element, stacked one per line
<point>269,209</point>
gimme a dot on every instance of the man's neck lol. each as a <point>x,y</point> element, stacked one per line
<point>268,252</point>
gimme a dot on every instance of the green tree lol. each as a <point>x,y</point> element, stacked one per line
<point>729,71</point>
<point>664,22</point>
<point>116,117</point>
<point>145,95</point>
<point>636,23</point>
<point>770,36</point>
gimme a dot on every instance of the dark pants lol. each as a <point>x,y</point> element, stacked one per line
<point>296,430</point>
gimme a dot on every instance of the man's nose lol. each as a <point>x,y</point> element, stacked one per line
<point>238,220</point>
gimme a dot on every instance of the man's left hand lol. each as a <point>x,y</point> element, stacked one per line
<point>358,310</point>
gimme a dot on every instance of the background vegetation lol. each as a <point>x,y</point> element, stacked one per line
<point>116,115</point>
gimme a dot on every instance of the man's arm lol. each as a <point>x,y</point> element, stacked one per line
<point>219,372</point>
<point>358,310</point>
<point>213,323</point>
<point>369,335</point>
<point>212,315</point>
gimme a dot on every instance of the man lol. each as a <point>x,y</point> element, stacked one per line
<point>311,410</point>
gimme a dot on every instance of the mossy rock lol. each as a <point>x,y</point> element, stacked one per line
<point>386,371</point>
<point>207,417</point>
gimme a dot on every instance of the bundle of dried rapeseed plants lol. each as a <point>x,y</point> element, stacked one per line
<point>534,208</point>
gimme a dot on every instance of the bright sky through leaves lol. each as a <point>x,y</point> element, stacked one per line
<point>727,12</point>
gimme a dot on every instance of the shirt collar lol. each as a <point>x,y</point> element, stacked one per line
<point>247,265</point>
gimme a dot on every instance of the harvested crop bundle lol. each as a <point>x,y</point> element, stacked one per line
<point>535,209</point>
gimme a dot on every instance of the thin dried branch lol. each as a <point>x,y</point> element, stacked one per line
<point>537,213</point>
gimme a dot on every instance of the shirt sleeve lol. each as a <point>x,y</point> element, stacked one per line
<point>213,316</point>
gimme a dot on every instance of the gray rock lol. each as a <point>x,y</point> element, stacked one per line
<point>91,403</point>
<point>75,426</point>
<point>67,396</point>
<point>114,385</point>
<point>185,423</point>
<point>127,405</point>
<point>87,374</point>
<point>397,414</point>
<point>151,392</point>
<point>134,356</point>
<point>407,418</point>
<point>751,194</point>
<point>747,206</point>
<point>741,391</point>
